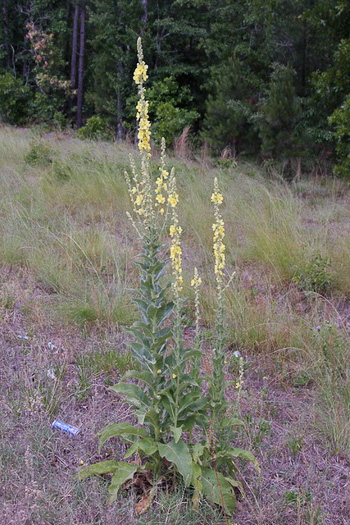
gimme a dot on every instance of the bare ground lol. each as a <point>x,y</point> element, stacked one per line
<point>301,480</point>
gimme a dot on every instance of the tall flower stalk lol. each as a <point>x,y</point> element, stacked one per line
<point>218,383</point>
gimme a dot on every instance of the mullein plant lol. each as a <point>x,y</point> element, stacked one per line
<point>166,392</point>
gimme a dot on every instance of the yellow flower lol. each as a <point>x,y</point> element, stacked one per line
<point>174,376</point>
<point>159,371</point>
<point>173,199</point>
<point>134,190</point>
<point>161,211</point>
<point>160,198</point>
<point>217,198</point>
<point>140,73</point>
<point>138,200</point>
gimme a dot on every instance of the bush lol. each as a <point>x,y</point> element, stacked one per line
<point>95,129</point>
<point>169,108</point>
<point>40,154</point>
<point>341,122</point>
<point>316,276</point>
<point>14,96</point>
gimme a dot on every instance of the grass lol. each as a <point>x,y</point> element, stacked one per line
<point>66,256</point>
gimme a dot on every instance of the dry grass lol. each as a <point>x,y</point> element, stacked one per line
<point>66,256</point>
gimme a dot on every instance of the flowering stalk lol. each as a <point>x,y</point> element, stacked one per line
<point>217,385</point>
<point>196,283</point>
<point>167,399</point>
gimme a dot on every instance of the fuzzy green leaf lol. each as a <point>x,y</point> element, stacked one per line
<point>124,472</point>
<point>217,489</point>
<point>177,432</point>
<point>104,467</point>
<point>133,394</point>
<point>178,454</point>
<point>141,353</point>
<point>122,430</point>
<point>232,422</point>
<point>238,453</point>
<point>146,446</point>
<point>145,376</point>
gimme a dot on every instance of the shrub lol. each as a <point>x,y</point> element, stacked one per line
<point>40,154</point>
<point>169,108</point>
<point>340,119</point>
<point>316,276</point>
<point>95,129</point>
<point>14,95</point>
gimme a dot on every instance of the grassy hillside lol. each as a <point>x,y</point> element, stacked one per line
<point>66,256</point>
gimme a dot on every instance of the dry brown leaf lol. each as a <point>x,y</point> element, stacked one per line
<point>145,502</point>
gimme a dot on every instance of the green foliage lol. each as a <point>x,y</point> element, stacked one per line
<point>279,115</point>
<point>229,112</point>
<point>340,120</point>
<point>14,96</point>
<point>95,129</point>
<point>315,276</point>
<point>40,154</point>
<point>170,109</point>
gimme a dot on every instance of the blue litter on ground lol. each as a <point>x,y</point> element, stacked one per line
<point>65,427</point>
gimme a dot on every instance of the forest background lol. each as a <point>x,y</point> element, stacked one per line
<point>263,79</point>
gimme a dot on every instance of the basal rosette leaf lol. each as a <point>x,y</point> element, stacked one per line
<point>98,469</point>
<point>123,473</point>
<point>218,490</point>
<point>178,454</point>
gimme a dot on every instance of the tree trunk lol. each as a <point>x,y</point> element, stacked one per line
<point>5,28</point>
<point>73,67</point>
<point>74,56</point>
<point>145,11</point>
<point>120,127</point>
<point>81,67</point>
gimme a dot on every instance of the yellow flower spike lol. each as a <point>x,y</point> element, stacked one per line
<point>219,235</point>
<point>175,233</point>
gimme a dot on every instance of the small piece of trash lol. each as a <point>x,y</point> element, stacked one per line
<point>51,346</point>
<point>237,354</point>
<point>65,427</point>
<point>25,337</point>
<point>51,374</point>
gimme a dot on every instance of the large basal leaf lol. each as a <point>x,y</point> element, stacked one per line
<point>123,430</point>
<point>178,454</point>
<point>124,472</point>
<point>104,467</point>
<point>217,489</point>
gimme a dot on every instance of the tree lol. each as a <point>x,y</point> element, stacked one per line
<point>279,115</point>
